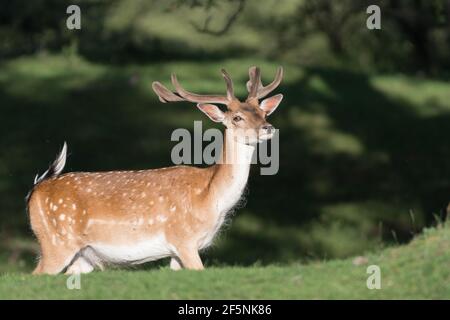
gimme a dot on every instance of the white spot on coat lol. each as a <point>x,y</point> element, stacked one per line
<point>161,218</point>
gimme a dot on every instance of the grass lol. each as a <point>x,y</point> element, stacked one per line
<point>418,270</point>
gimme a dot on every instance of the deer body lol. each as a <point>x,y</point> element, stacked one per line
<point>86,220</point>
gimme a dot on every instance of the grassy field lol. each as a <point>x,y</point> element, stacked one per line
<point>418,270</point>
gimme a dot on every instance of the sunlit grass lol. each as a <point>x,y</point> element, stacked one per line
<point>415,271</point>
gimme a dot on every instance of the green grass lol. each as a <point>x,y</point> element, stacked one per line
<point>418,270</point>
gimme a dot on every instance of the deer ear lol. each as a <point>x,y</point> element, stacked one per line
<point>270,104</point>
<point>212,111</point>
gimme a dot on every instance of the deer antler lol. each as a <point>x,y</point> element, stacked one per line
<point>230,89</point>
<point>263,91</point>
<point>164,94</point>
<point>255,80</point>
<point>254,86</point>
<point>181,94</point>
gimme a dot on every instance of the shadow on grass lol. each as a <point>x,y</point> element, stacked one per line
<point>355,164</point>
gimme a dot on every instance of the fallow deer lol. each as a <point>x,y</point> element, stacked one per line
<point>85,220</point>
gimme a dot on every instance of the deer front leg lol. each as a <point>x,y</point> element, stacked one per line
<point>190,258</point>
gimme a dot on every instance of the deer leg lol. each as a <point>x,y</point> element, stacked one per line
<point>38,268</point>
<point>190,258</point>
<point>54,259</point>
<point>175,264</point>
<point>80,265</point>
<point>53,265</point>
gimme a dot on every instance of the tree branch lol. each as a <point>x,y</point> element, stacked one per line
<point>230,21</point>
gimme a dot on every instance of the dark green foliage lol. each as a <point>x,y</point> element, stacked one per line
<point>415,35</point>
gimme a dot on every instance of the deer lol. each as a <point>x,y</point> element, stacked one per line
<point>88,220</point>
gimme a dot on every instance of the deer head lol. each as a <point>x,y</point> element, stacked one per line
<point>248,119</point>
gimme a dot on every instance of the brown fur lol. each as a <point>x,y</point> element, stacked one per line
<point>72,213</point>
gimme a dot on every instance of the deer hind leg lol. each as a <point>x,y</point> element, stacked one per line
<point>85,262</point>
<point>190,259</point>
<point>175,264</point>
<point>38,268</point>
<point>80,265</point>
<point>54,258</point>
<point>56,253</point>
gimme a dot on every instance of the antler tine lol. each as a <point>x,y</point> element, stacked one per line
<point>192,97</point>
<point>251,75</point>
<point>164,94</point>
<point>255,79</point>
<point>230,89</point>
<point>264,91</point>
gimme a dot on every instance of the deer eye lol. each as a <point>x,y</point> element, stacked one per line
<point>237,118</point>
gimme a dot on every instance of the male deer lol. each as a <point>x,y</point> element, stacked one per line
<point>85,220</point>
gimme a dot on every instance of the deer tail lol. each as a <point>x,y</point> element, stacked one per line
<point>55,168</point>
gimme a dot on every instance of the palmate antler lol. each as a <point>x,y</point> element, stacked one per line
<point>254,86</point>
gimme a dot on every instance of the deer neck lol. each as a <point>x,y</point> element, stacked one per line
<point>230,175</point>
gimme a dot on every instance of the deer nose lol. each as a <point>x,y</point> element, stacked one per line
<point>268,128</point>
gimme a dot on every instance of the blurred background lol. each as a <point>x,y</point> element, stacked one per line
<point>364,126</point>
